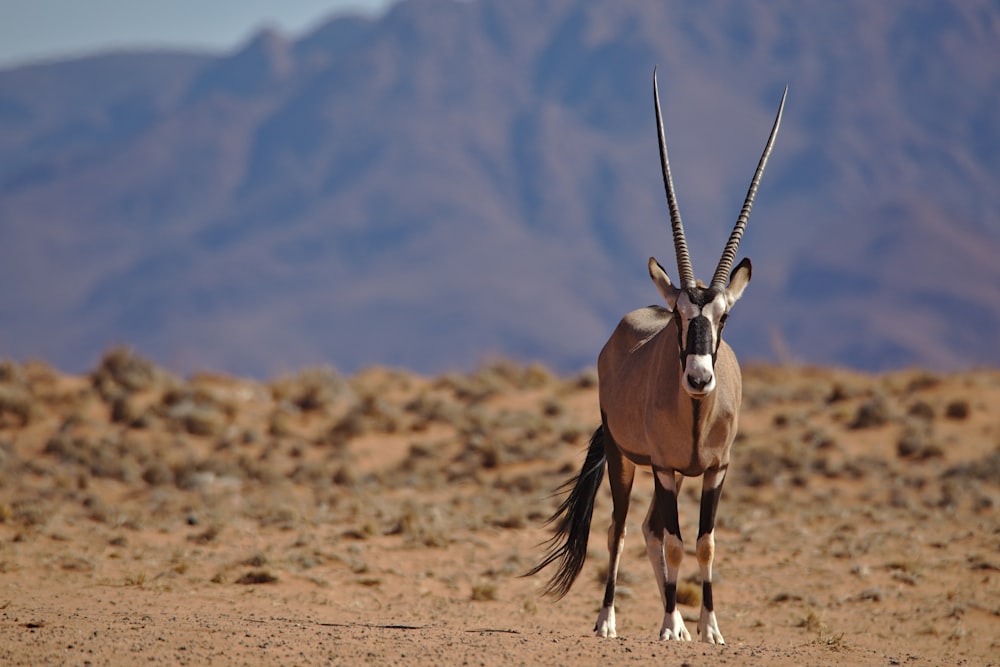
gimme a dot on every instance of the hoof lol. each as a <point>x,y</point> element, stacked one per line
<point>674,629</point>
<point>605,626</point>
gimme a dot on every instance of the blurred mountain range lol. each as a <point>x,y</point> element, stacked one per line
<point>457,180</point>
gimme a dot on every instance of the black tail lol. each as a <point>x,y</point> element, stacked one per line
<point>572,521</point>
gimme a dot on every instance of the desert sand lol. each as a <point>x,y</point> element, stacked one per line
<point>386,518</point>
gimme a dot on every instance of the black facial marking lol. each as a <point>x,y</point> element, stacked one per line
<point>722,325</point>
<point>699,333</point>
<point>699,338</point>
<point>700,296</point>
<point>680,339</point>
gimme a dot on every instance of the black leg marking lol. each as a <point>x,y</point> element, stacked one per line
<point>609,594</point>
<point>709,505</point>
<point>667,501</point>
<point>710,499</point>
<point>671,601</point>
<point>706,596</point>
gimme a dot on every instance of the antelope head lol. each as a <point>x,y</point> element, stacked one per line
<point>701,311</point>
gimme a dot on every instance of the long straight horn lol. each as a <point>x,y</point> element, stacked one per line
<point>680,243</point>
<point>729,253</point>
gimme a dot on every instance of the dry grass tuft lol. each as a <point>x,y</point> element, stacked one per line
<point>257,577</point>
<point>484,592</point>
<point>688,594</point>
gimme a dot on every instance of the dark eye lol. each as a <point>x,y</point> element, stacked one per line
<point>722,320</point>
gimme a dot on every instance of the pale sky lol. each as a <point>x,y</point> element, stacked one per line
<point>32,30</point>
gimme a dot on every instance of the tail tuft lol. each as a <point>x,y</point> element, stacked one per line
<point>568,543</point>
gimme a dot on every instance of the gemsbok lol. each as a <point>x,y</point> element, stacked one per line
<point>670,391</point>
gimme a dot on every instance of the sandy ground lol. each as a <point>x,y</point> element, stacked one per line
<point>385,519</point>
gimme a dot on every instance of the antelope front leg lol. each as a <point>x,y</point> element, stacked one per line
<point>708,626</point>
<point>665,550</point>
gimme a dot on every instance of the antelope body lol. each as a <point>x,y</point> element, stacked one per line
<point>670,391</point>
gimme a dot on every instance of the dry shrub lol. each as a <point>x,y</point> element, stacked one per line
<point>257,560</point>
<point>872,413</point>
<point>957,409</point>
<point>345,476</point>
<point>158,473</point>
<point>420,525</point>
<point>26,513</point>
<point>427,408</point>
<point>521,485</point>
<point>41,379</point>
<point>986,469</point>
<point>467,389</point>
<point>195,411</point>
<point>370,415</point>
<point>194,473</point>
<point>207,536</point>
<point>109,455</point>
<point>921,382</point>
<point>585,379</point>
<point>125,409</point>
<point>917,442</point>
<point>498,377</point>
<point>122,369</point>
<point>492,439</point>
<point>521,378</point>
<point>7,455</point>
<point>17,406</point>
<point>762,467</point>
<point>280,423</point>
<point>11,373</point>
<point>311,390</point>
<point>257,577</point>
<point>284,517</point>
<point>382,381</point>
<point>316,475</point>
<point>921,410</point>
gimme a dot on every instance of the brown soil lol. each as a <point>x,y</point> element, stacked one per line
<point>385,518</point>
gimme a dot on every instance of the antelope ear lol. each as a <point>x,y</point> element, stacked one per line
<point>662,282</point>
<point>738,281</point>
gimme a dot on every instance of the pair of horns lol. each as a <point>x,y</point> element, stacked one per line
<point>680,243</point>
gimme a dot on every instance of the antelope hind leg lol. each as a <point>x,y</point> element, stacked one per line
<point>621,473</point>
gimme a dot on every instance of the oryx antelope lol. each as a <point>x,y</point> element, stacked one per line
<point>670,392</point>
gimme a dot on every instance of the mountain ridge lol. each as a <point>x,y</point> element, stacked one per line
<point>455,180</point>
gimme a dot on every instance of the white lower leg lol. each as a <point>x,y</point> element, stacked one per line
<point>673,623</point>
<point>708,626</point>
<point>605,625</point>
